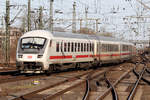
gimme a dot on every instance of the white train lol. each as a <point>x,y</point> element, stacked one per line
<point>41,51</point>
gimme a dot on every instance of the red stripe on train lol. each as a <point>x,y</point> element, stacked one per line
<point>86,56</point>
<point>61,57</point>
<point>125,53</point>
<point>105,55</point>
<point>115,55</point>
<point>82,56</point>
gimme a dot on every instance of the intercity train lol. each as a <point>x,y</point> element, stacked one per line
<point>42,51</point>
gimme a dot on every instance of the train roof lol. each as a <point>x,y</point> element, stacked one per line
<point>48,34</point>
<point>85,36</point>
<point>37,33</point>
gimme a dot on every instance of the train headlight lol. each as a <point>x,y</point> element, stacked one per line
<point>39,56</point>
<point>20,56</point>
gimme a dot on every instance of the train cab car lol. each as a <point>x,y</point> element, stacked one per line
<point>32,51</point>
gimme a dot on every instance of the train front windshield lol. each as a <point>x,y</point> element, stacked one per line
<point>32,43</point>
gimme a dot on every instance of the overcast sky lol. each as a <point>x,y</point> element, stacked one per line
<point>111,12</point>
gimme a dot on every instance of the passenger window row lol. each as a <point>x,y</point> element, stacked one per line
<point>88,47</point>
<point>74,47</point>
<point>109,47</point>
<point>126,48</point>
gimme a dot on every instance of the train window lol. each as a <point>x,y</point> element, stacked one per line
<point>92,46</point>
<point>84,47</point>
<point>130,48</point>
<point>72,47</point>
<point>108,49</point>
<point>65,47</point>
<point>115,47</point>
<point>125,48</point>
<point>88,47</point>
<point>112,47</point>
<point>68,46</point>
<point>50,44</point>
<point>57,47</point>
<point>78,47</point>
<point>81,47</point>
<point>75,47</point>
<point>104,47</point>
<point>61,47</point>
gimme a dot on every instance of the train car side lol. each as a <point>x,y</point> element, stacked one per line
<point>62,51</point>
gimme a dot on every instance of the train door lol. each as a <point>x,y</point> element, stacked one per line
<point>96,52</point>
<point>94,46</point>
<point>99,51</point>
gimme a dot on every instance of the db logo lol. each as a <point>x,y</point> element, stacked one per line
<point>29,57</point>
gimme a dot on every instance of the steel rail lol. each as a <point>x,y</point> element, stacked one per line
<point>144,79</point>
<point>133,91</point>
<point>49,97</point>
<point>114,92</point>
<point>147,70</point>
<point>86,94</point>
<point>18,78</point>
<point>102,96</point>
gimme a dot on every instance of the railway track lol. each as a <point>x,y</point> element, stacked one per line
<point>8,76</point>
<point>107,84</point>
<point>7,69</point>
<point>133,87</point>
<point>57,90</point>
<point>29,80</point>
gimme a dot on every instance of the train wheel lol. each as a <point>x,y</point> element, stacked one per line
<point>50,70</point>
<point>95,63</point>
<point>78,65</point>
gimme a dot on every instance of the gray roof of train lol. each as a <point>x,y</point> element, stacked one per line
<point>84,36</point>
